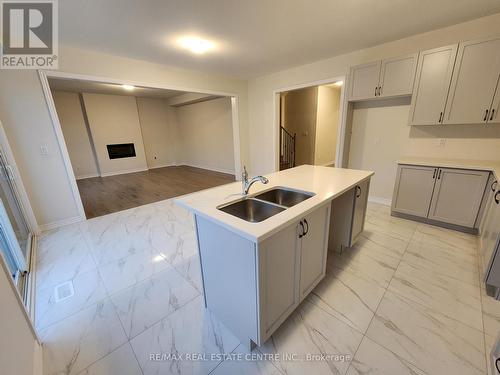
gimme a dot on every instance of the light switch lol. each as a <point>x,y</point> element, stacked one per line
<point>441,142</point>
<point>44,150</point>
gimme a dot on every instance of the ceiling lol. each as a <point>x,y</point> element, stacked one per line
<point>253,37</point>
<point>74,85</point>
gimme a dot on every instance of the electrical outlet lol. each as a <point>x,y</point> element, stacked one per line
<point>44,150</point>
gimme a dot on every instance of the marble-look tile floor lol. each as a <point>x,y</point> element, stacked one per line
<point>407,299</point>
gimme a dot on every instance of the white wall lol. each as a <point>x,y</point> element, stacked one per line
<point>476,142</point>
<point>76,134</point>
<point>24,114</point>
<point>20,352</point>
<point>114,119</point>
<point>205,135</point>
<point>158,131</point>
<point>327,125</point>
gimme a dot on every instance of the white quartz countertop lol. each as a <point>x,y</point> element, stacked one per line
<point>326,182</point>
<point>481,165</point>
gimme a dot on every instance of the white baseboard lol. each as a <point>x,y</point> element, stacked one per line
<point>384,201</point>
<point>162,165</point>
<point>210,168</point>
<point>124,172</point>
<point>61,223</point>
<point>90,175</point>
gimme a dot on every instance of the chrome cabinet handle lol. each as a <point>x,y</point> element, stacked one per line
<point>434,174</point>
<point>486,115</point>
<point>497,200</point>
<point>492,114</point>
<point>494,185</point>
<point>376,90</point>
<point>439,174</point>
<point>307,226</point>
<point>379,90</point>
<point>358,191</point>
<point>440,117</point>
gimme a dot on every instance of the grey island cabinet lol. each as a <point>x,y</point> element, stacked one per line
<point>263,253</point>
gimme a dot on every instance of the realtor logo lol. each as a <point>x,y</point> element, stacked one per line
<point>29,34</point>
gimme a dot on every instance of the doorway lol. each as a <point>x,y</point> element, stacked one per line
<point>309,121</point>
<point>130,145</point>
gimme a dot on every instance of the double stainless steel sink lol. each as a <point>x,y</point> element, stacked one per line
<point>264,205</point>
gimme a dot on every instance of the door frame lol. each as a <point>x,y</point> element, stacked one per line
<point>20,192</point>
<point>44,76</point>
<point>341,126</point>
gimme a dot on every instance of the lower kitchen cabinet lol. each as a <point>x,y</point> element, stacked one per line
<point>441,195</point>
<point>291,263</point>
<point>313,250</point>
<point>348,217</point>
<point>490,243</point>
<point>457,196</point>
<point>413,190</point>
<point>254,286</point>
<point>279,276</point>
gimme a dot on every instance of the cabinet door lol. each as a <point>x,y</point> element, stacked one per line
<point>488,227</point>
<point>457,196</point>
<point>360,203</point>
<point>494,115</point>
<point>492,255</point>
<point>279,277</point>
<point>364,81</point>
<point>314,249</point>
<point>474,82</point>
<point>432,83</point>
<point>397,76</point>
<point>413,190</point>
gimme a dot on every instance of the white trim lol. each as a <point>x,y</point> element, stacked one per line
<point>342,122</point>
<point>62,147</point>
<point>379,200</point>
<point>18,182</point>
<point>171,164</point>
<point>207,167</point>
<point>61,223</point>
<point>236,137</point>
<point>45,74</point>
<point>90,175</point>
<point>134,170</point>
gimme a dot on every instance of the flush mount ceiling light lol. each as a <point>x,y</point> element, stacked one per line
<point>196,45</point>
<point>128,87</point>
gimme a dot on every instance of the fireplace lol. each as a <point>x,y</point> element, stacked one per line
<point>122,150</point>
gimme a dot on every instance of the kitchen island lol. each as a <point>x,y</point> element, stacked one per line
<point>263,253</point>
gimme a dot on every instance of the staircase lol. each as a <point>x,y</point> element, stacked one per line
<point>287,149</point>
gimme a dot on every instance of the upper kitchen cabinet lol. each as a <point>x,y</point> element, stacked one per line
<point>397,76</point>
<point>432,83</point>
<point>383,79</point>
<point>493,116</point>
<point>474,82</point>
<point>364,81</point>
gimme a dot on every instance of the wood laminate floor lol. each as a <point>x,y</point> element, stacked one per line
<point>104,195</point>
